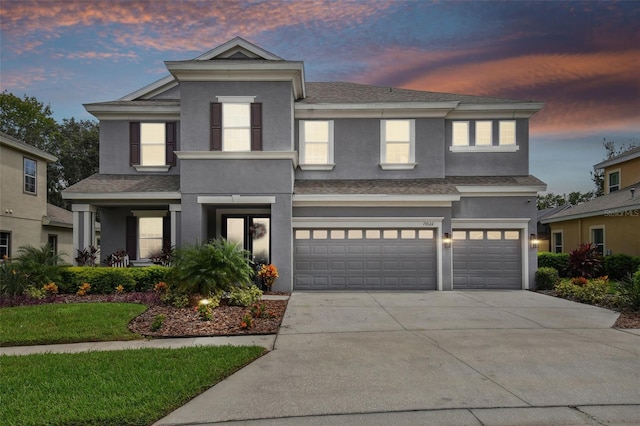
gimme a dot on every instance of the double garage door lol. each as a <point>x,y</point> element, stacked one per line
<point>365,259</point>
<point>490,259</point>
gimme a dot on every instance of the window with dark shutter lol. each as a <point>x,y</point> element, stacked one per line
<point>216,127</point>
<point>171,144</point>
<point>134,143</point>
<point>256,126</point>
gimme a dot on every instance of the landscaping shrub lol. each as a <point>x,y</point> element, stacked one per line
<point>105,280</point>
<point>546,278</point>
<point>628,289</point>
<point>41,265</point>
<point>618,266</point>
<point>13,281</point>
<point>557,261</point>
<point>244,296</point>
<point>146,278</point>
<point>592,292</point>
<point>210,268</point>
<point>584,261</point>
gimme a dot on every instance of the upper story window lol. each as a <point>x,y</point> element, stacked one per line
<point>482,138</point>
<point>460,133</point>
<point>152,146</point>
<point>614,181</point>
<point>484,133</point>
<point>316,145</point>
<point>397,144</point>
<point>507,132</point>
<point>236,124</point>
<point>30,175</point>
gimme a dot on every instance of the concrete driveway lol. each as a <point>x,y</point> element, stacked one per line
<point>473,357</point>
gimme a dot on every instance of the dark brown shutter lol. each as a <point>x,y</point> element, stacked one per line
<point>216,127</point>
<point>256,126</point>
<point>134,143</point>
<point>171,143</point>
<point>132,237</point>
<point>166,232</point>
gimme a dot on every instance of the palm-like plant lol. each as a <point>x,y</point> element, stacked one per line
<point>210,268</point>
<point>41,264</point>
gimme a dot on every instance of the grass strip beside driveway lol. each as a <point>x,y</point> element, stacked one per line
<point>67,323</point>
<point>128,387</point>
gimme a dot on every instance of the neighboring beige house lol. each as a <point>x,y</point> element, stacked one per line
<point>25,216</point>
<point>612,221</point>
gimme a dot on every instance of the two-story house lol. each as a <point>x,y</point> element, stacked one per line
<point>340,185</point>
<point>26,219</point>
<point>611,221</point>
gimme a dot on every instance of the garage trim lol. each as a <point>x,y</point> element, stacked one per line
<point>521,224</point>
<point>378,222</point>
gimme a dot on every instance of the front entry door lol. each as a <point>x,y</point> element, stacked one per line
<point>252,232</point>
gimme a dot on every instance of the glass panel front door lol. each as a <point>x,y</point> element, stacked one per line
<point>252,232</point>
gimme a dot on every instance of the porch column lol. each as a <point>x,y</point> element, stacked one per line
<point>175,210</point>
<point>84,222</point>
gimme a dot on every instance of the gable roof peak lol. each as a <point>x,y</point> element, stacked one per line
<point>235,47</point>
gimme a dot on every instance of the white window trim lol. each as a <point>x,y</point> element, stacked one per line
<point>155,168</point>
<point>302,146</point>
<point>236,99</point>
<point>24,176</point>
<point>151,168</point>
<point>515,133</point>
<point>608,182</point>
<point>484,148</point>
<point>412,147</point>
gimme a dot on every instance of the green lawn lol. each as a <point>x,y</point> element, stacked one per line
<point>129,387</point>
<point>67,323</point>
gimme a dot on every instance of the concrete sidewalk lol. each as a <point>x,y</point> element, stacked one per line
<point>476,357</point>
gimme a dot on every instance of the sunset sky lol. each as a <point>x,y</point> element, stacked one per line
<point>581,58</point>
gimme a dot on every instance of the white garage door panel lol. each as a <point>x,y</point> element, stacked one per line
<point>399,259</point>
<point>486,259</point>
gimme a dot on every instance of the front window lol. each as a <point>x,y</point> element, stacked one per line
<point>316,142</point>
<point>397,141</point>
<point>152,144</point>
<point>597,239</point>
<point>483,133</point>
<point>149,236</point>
<point>52,241</point>
<point>30,175</point>
<point>5,244</point>
<point>460,133</point>
<point>507,131</point>
<point>250,232</point>
<point>556,239</point>
<point>614,181</point>
<point>236,122</point>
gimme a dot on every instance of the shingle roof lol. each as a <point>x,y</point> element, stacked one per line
<point>106,184</point>
<point>59,216</point>
<point>620,158</point>
<point>341,92</point>
<point>613,203</point>
<point>434,186</point>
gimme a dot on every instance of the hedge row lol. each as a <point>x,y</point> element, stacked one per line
<point>616,266</point>
<point>105,280</point>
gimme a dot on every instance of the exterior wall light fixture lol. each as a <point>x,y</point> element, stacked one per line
<point>533,240</point>
<point>446,241</point>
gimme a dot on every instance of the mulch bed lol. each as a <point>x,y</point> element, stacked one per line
<point>185,322</point>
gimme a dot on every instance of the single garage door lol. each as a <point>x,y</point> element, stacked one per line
<point>364,259</point>
<point>490,259</point>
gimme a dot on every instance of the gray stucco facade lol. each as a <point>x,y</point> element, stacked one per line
<point>324,224</point>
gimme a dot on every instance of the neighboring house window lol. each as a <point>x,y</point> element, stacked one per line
<point>614,181</point>
<point>30,175</point>
<point>556,241</point>
<point>316,142</point>
<point>236,124</point>
<point>152,144</point>
<point>507,132</point>
<point>484,133</point>
<point>397,145</point>
<point>52,240</point>
<point>460,133</point>
<point>5,244</point>
<point>149,236</point>
<point>597,239</point>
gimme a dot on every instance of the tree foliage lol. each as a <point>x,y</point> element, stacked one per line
<point>74,143</point>
<point>551,200</point>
